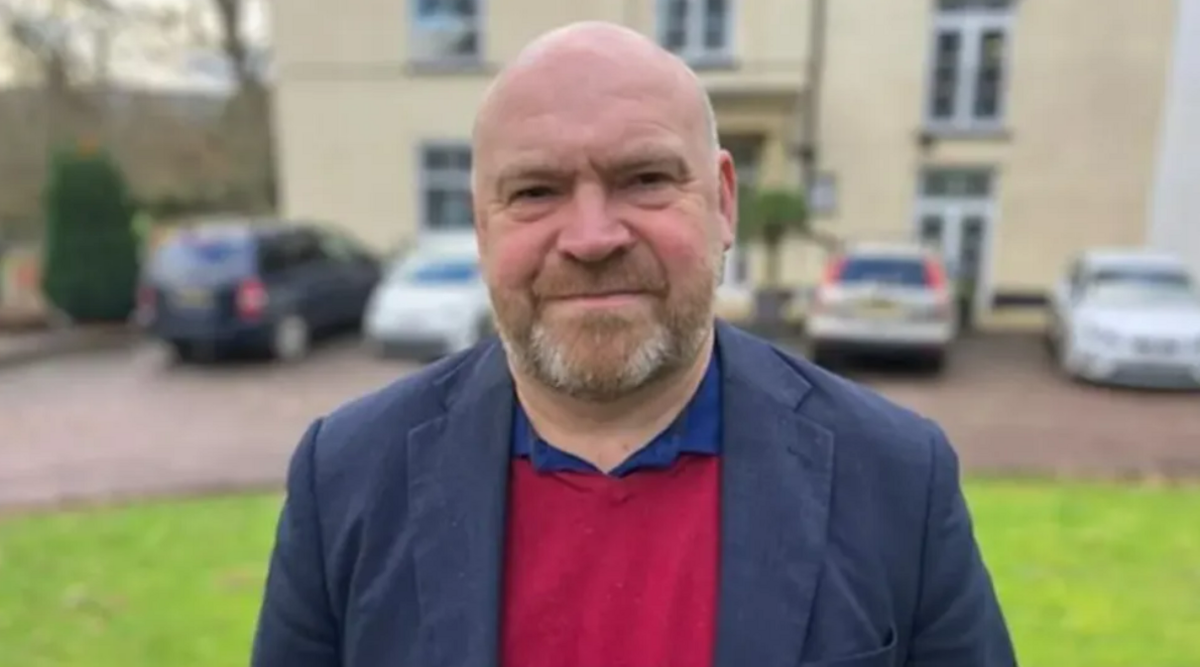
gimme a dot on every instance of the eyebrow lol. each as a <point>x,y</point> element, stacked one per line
<point>629,161</point>
<point>529,170</point>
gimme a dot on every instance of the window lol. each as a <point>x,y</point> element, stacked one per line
<point>956,183</point>
<point>202,259</point>
<point>446,31</point>
<point>446,188</point>
<point>909,272</point>
<point>438,271</point>
<point>696,30</point>
<point>969,58</point>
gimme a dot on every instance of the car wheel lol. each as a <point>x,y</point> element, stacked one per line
<point>290,338</point>
<point>935,363</point>
<point>820,355</point>
<point>1064,359</point>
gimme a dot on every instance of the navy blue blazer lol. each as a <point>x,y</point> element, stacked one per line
<point>846,541</point>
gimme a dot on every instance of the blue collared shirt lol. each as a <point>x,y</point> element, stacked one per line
<point>697,430</point>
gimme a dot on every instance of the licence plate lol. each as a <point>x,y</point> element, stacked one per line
<point>193,298</point>
<point>879,309</point>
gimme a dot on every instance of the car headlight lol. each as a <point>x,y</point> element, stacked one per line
<point>1101,336</point>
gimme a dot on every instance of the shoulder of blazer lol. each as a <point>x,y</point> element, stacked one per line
<point>353,438</point>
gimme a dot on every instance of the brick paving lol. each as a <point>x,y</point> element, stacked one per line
<point>114,424</point>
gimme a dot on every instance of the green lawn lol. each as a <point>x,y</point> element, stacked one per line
<point>1091,576</point>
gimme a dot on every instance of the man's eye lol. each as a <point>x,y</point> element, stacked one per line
<point>536,192</point>
<point>650,179</point>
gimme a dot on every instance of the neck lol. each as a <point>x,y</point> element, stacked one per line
<point>605,434</point>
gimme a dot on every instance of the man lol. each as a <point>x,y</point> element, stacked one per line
<point>621,481</point>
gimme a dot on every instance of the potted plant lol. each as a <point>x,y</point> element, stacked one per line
<point>768,216</point>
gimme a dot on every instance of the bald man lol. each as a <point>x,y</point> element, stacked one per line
<point>619,480</point>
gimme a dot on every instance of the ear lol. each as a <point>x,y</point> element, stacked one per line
<point>728,193</point>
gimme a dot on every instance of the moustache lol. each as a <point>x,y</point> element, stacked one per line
<point>577,280</point>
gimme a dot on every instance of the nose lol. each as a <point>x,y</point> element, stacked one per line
<point>591,233</point>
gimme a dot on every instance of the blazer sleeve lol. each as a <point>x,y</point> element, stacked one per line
<point>959,620</point>
<point>296,625</point>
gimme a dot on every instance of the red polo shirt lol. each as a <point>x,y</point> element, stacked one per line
<point>616,570</point>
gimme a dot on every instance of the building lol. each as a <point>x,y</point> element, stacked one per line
<point>1012,132</point>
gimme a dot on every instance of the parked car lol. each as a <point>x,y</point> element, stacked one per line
<point>892,299</point>
<point>1127,317</point>
<point>431,303</point>
<point>269,285</point>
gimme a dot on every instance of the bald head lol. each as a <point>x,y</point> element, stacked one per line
<point>587,53</point>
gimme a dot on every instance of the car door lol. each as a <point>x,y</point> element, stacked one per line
<point>310,278</point>
<point>357,273</point>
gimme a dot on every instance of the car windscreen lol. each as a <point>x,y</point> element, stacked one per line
<point>420,271</point>
<point>1142,276</point>
<point>1164,293</point>
<point>903,271</point>
<point>202,261</point>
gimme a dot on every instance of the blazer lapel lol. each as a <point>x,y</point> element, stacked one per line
<point>458,475</point>
<point>776,487</point>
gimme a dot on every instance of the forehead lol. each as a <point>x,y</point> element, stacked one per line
<point>601,112</point>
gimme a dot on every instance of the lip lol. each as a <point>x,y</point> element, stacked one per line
<point>613,300</point>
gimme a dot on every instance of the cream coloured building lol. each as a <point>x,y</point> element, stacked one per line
<point>1012,132</point>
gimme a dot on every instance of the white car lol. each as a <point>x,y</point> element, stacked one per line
<point>883,298</point>
<point>1127,318</point>
<point>429,304</point>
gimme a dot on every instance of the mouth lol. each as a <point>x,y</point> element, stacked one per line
<point>602,300</point>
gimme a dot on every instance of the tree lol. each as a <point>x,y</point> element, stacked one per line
<point>250,142</point>
<point>90,257</point>
<point>60,43</point>
<point>769,216</point>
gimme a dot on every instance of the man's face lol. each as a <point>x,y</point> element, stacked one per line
<point>603,215</point>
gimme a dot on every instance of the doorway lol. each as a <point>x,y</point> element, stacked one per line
<point>955,214</point>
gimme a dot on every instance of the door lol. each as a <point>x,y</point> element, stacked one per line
<point>955,214</point>
<point>960,233</point>
<point>300,268</point>
<point>356,270</point>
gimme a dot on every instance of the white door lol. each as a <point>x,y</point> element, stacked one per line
<point>955,214</point>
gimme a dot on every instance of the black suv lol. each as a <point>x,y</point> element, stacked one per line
<point>261,284</point>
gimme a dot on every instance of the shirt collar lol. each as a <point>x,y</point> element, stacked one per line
<point>697,430</point>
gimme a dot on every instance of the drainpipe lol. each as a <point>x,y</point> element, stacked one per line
<point>810,127</point>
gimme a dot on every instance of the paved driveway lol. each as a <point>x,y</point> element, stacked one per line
<point>117,423</point>
<point>1007,410</point>
<point>113,424</point>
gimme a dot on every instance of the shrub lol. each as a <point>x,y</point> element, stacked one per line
<point>90,265</point>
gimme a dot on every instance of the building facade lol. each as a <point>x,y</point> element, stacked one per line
<point>1011,132</point>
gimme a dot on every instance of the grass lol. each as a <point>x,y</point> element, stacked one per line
<point>1090,576</point>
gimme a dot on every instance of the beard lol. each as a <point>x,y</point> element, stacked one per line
<point>604,355</point>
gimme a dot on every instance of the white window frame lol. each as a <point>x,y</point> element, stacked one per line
<point>419,25</point>
<point>448,180</point>
<point>694,51</point>
<point>970,25</point>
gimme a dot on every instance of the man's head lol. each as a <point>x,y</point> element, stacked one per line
<point>603,208</point>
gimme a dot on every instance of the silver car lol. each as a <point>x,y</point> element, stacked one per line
<point>883,298</point>
<point>1127,318</point>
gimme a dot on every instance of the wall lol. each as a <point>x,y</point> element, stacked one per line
<point>1175,205</point>
<point>1074,161</point>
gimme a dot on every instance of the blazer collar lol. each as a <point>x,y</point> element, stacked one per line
<point>775,483</point>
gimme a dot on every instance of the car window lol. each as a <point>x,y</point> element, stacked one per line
<point>904,271</point>
<point>1145,293</point>
<point>202,259</point>
<point>1145,276</point>
<point>435,271</point>
<point>342,248</point>
<point>290,250</point>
